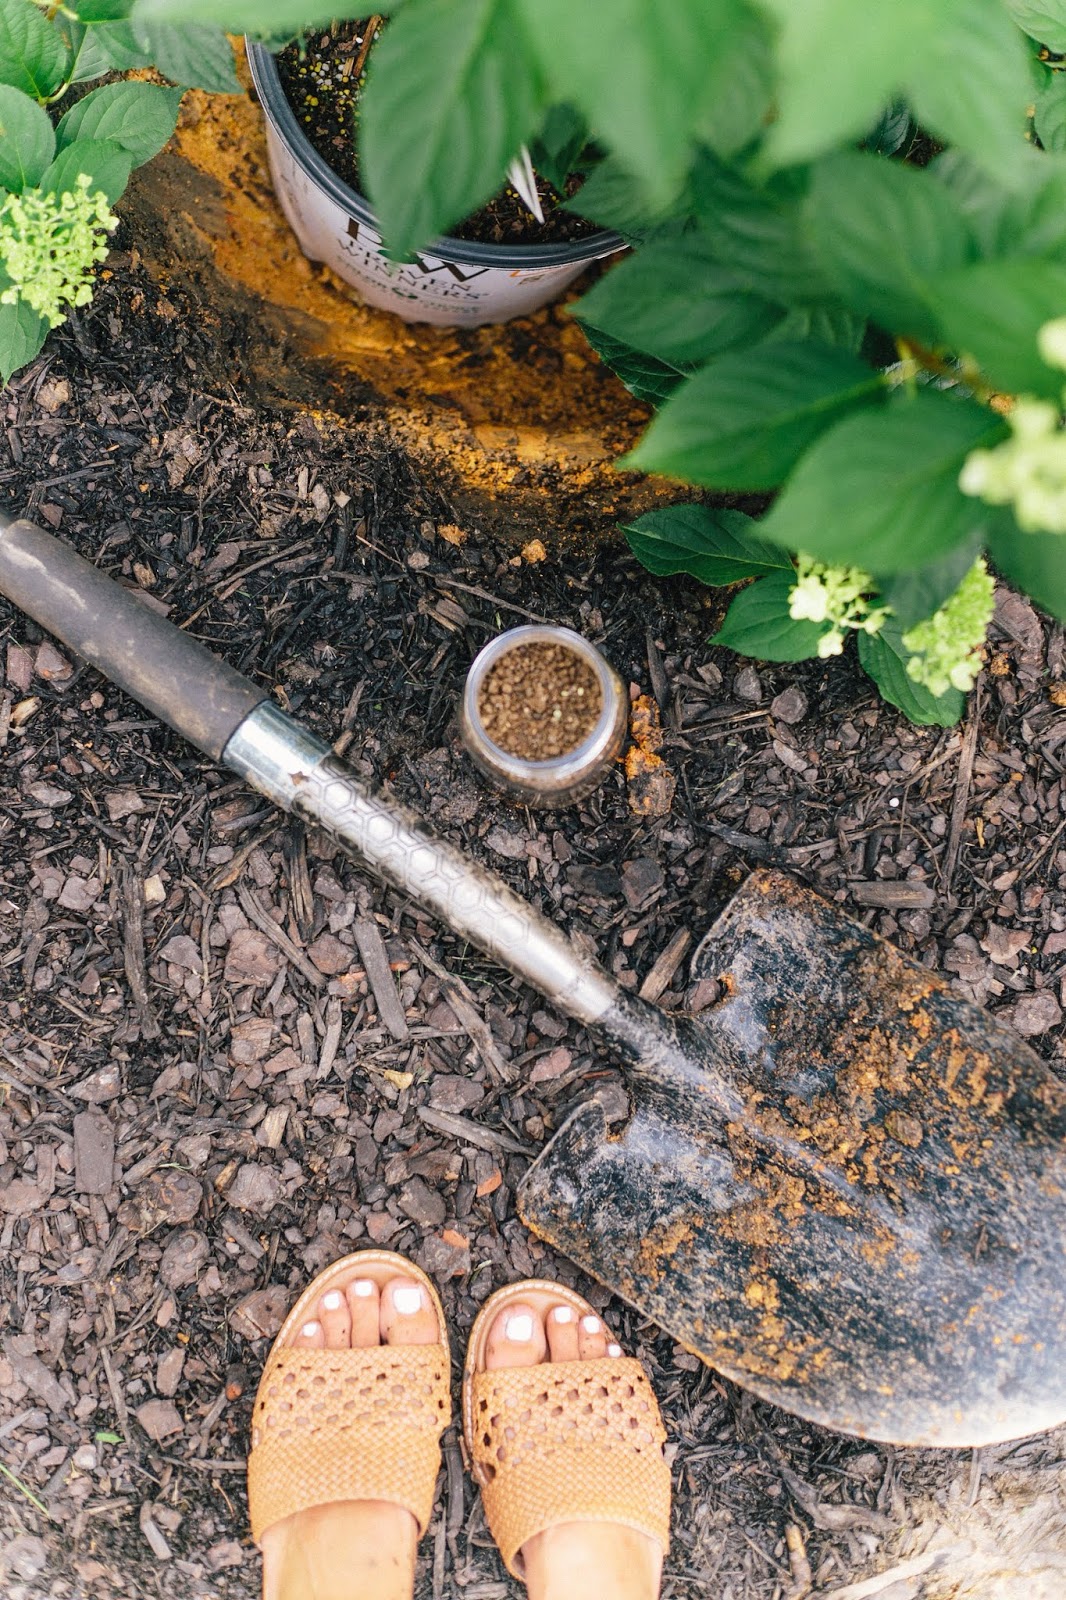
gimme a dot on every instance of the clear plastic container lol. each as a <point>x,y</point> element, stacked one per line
<point>563,779</point>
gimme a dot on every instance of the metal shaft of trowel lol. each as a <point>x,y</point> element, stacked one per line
<point>233,721</point>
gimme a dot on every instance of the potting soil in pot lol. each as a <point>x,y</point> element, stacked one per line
<point>540,701</point>
<point>322,77</point>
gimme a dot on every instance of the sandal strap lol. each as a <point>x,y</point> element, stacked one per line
<point>572,1441</point>
<point>333,1425</point>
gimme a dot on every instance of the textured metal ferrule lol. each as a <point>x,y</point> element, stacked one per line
<point>300,774</point>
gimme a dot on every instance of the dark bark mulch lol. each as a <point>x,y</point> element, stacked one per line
<point>203,1095</point>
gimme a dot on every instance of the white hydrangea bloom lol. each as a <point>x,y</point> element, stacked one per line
<point>49,245</point>
<point>838,595</point>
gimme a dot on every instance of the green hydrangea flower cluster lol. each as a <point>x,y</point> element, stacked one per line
<point>49,245</point>
<point>1028,470</point>
<point>943,649</point>
<point>839,595</point>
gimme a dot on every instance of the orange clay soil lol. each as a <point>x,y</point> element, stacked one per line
<point>519,423</point>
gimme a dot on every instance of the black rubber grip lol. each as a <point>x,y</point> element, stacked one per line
<point>176,678</point>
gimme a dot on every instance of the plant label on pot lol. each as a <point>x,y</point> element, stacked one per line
<point>461,282</point>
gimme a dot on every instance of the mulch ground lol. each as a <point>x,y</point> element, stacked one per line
<point>202,1097</point>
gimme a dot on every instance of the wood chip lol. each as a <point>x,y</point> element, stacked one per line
<point>277,936</point>
<point>375,959</point>
<point>471,1132</point>
<point>658,979</point>
<point>94,1153</point>
<point>893,894</point>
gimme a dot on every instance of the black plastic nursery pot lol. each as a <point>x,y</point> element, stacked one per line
<point>453,281</point>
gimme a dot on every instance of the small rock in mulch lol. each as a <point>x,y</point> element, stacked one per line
<point>182,1259</point>
<point>256,1188</point>
<point>99,1087</point>
<point>251,959</point>
<point>1004,945</point>
<point>94,1153</point>
<point>641,878</point>
<point>747,686</point>
<point>227,1553</point>
<point>552,1065</point>
<point>260,1314</point>
<point>421,1203</point>
<point>380,1226</point>
<point>442,1258</point>
<point>1035,1013</point>
<point>160,1419</point>
<point>122,803</point>
<point>169,1195</point>
<point>330,955</point>
<point>181,951</point>
<point>168,1372</point>
<point>449,1092</point>
<point>80,894</point>
<point>50,665</point>
<point>790,706</point>
<point>24,1557</point>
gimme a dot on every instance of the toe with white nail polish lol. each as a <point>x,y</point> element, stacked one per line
<point>333,1300</point>
<point>310,1330</point>
<point>520,1327</point>
<point>363,1287</point>
<point>407,1301</point>
<point>614,1349</point>
<point>563,1314</point>
<point>591,1324</point>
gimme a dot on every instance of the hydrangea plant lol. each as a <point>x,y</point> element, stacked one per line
<point>61,175</point>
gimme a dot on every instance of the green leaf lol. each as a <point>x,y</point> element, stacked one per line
<point>880,490</point>
<point>832,325</point>
<point>960,63</point>
<point>885,660</point>
<point>890,131</point>
<point>27,143</point>
<point>116,44</point>
<point>745,420</point>
<point>106,163</point>
<point>450,98</point>
<point>714,545</point>
<point>196,57</point>
<point>1029,220</point>
<point>883,233</point>
<point>650,79</point>
<point>650,380</point>
<point>557,148</point>
<point>1043,20</point>
<point>970,84</point>
<point>757,624</point>
<point>33,57</point>
<point>138,116</point>
<point>992,312</point>
<point>22,333</point>
<point>914,595</point>
<point>1050,117</point>
<point>1032,562</point>
<point>100,10</point>
<point>611,196</point>
<point>675,301</point>
<point>247,16</point>
<point>759,232</point>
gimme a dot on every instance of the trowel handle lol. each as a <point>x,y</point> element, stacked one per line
<point>224,714</point>
<point>172,675</point>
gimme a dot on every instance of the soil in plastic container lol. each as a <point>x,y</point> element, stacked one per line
<point>540,701</point>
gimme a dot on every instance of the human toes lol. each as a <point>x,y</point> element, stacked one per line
<point>408,1315</point>
<point>516,1338</point>
<point>592,1338</point>
<point>562,1328</point>
<point>364,1313</point>
<point>332,1313</point>
<point>310,1336</point>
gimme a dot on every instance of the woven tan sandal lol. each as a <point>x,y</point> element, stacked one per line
<point>332,1425</point>
<point>566,1441</point>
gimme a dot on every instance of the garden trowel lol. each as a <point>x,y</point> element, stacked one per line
<point>840,1185</point>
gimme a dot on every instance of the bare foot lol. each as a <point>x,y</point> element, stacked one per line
<point>608,1560</point>
<point>356,1547</point>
